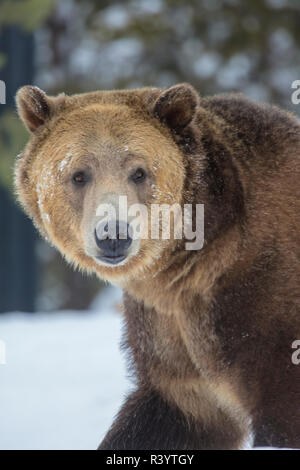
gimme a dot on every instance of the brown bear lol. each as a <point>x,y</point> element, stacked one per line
<point>210,331</point>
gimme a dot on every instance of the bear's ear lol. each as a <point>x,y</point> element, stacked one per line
<point>177,106</point>
<point>35,108</point>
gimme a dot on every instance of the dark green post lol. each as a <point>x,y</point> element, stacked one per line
<point>17,236</point>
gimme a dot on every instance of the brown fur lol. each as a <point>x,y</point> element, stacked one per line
<point>209,332</point>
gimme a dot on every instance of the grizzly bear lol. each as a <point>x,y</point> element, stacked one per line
<point>209,332</point>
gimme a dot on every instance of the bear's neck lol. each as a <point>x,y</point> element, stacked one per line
<point>188,274</point>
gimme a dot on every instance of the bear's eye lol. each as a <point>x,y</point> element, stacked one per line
<point>79,178</point>
<point>138,176</point>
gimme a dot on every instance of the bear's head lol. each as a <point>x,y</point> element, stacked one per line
<point>91,154</point>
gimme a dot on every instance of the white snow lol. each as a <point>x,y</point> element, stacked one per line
<point>64,377</point>
<point>65,161</point>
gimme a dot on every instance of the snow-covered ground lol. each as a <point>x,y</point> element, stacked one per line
<point>64,377</point>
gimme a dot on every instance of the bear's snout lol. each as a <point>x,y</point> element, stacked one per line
<point>113,239</point>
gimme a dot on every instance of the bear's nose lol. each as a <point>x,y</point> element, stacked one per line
<point>113,239</point>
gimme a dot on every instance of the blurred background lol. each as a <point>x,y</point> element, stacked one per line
<point>252,46</point>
